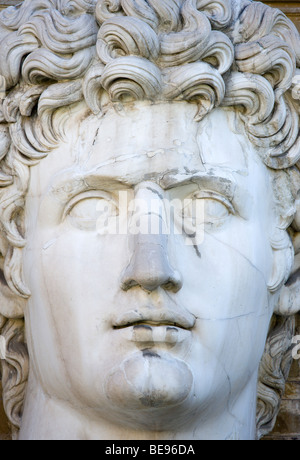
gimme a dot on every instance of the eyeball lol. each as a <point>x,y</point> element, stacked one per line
<point>92,211</point>
<point>205,208</point>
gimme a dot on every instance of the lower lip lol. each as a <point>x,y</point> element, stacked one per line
<point>149,334</point>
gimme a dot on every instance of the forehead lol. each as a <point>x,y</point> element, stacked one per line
<point>164,136</point>
<point>140,141</point>
<point>162,143</point>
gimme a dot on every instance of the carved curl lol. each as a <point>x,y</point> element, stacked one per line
<point>273,372</point>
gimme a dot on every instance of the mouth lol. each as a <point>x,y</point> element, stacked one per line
<point>157,318</point>
<point>155,327</point>
<point>150,324</point>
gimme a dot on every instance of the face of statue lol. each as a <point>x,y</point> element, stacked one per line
<point>127,322</point>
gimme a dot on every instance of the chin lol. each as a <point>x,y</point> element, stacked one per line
<point>148,383</point>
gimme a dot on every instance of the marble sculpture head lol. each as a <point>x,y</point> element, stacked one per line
<point>164,334</point>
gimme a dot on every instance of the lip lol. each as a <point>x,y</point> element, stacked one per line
<point>156,318</point>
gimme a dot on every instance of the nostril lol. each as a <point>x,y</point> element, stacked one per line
<point>174,283</point>
<point>128,284</point>
<point>171,284</point>
<point>150,276</point>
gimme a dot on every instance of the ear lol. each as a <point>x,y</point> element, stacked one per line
<point>288,304</point>
<point>11,305</point>
<point>289,299</point>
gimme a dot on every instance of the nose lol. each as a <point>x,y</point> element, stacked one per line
<point>149,266</point>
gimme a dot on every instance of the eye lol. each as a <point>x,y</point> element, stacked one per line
<point>92,210</point>
<point>205,208</point>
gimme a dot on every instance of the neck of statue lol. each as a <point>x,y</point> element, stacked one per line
<point>47,418</point>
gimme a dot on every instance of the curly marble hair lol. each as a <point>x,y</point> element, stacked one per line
<point>214,53</point>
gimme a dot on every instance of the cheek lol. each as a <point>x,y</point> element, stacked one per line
<point>83,260</point>
<point>226,289</point>
<point>227,277</point>
<point>73,295</point>
<point>74,282</point>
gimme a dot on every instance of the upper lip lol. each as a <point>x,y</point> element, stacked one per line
<point>157,317</point>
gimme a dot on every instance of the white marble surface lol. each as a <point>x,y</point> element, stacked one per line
<point>149,225</point>
<point>142,330</point>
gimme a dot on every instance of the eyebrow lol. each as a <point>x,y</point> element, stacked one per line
<point>213,180</point>
<point>69,184</point>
